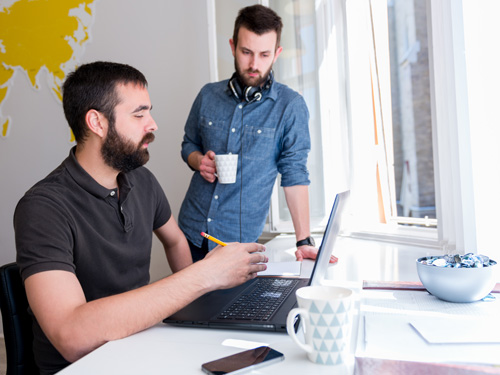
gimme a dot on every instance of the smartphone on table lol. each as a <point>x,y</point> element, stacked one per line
<point>242,362</point>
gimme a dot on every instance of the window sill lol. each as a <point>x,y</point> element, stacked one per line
<point>422,237</point>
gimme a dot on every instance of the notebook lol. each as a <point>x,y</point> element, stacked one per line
<point>223,309</point>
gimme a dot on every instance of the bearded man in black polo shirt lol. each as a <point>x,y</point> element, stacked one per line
<point>84,233</point>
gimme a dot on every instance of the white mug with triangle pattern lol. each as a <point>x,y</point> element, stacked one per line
<point>326,315</point>
<point>227,167</point>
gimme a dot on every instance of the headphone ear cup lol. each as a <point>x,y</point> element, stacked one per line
<point>252,93</point>
<point>249,94</point>
<point>235,87</point>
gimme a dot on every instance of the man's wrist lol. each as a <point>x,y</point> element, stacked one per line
<point>309,241</point>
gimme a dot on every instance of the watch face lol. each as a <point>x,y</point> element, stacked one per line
<point>311,241</point>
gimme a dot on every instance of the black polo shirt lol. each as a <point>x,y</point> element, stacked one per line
<point>69,222</point>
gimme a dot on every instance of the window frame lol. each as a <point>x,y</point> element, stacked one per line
<point>451,141</point>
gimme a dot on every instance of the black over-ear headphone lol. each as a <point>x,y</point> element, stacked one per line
<point>249,93</point>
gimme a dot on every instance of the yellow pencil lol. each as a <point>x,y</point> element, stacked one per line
<point>213,239</point>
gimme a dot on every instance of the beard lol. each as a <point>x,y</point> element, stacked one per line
<point>123,155</point>
<point>251,81</point>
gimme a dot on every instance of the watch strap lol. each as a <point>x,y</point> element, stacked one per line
<point>306,241</point>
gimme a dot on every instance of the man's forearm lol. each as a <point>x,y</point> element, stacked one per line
<point>297,199</point>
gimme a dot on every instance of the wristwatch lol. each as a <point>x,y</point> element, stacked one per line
<point>306,241</point>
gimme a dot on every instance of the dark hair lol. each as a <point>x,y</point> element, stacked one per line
<point>93,86</point>
<point>259,20</point>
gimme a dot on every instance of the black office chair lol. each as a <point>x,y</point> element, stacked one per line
<point>16,322</point>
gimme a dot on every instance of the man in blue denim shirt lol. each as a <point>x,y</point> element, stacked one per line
<point>266,124</point>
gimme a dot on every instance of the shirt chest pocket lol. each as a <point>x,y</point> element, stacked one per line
<point>214,135</point>
<point>258,143</point>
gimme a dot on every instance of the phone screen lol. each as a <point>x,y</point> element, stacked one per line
<point>244,361</point>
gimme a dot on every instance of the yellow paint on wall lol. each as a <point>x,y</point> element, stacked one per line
<point>38,34</point>
<point>3,93</point>
<point>5,74</point>
<point>41,34</point>
<point>5,128</point>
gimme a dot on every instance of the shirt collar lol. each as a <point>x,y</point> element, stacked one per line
<point>86,181</point>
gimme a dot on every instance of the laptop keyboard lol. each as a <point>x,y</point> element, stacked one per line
<point>261,301</point>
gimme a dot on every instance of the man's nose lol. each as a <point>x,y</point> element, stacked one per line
<point>152,125</point>
<point>254,63</point>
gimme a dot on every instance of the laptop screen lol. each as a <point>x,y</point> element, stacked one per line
<point>331,232</point>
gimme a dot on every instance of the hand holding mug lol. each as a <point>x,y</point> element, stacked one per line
<point>207,166</point>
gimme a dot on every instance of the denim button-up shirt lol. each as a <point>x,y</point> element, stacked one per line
<point>269,136</point>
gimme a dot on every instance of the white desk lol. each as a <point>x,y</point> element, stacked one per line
<point>173,350</point>
<point>166,349</point>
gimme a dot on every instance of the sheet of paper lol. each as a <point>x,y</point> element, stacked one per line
<point>439,330</point>
<point>282,269</point>
<point>393,337</point>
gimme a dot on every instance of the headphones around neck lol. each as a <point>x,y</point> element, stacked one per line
<point>249,93</point>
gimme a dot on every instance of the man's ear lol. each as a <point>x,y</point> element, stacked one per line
<point>277,53</point>
<point>96,122</point>
<point>233,47</point>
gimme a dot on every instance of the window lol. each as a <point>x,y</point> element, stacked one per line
<point>391,123</point>
<point>363,70</point>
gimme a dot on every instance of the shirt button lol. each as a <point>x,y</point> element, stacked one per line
<point>216,197</point>
<point>210,123</point>
<point>259,131</point>
<point>240,106</point>
<point>112,193</point>
<point>233,130</point>
<point>209,220</point>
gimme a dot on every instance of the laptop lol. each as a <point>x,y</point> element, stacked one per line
<point>248,306</point>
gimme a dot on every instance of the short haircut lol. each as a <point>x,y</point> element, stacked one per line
<point>259,20</point>
<point>93,86</point>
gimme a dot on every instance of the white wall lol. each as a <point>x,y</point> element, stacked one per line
<point>167,41</point>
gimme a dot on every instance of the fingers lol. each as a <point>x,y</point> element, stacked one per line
<point>254,247</point>
<point>257,267</point>
<point>255,250</point>
<point>309,252</point>
<point>306,252</point>
<point>208,176</point>
<point>207,166</point>
<point>236,263</point>
<point>258,258</point>
<point>210,155</point>
<point>299,256</point>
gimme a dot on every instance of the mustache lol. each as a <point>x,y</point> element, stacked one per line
<point>148,138</point>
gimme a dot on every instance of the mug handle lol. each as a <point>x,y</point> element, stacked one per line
<point>291,330</point>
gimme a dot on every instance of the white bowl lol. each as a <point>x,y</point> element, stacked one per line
<point>457,284</point>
